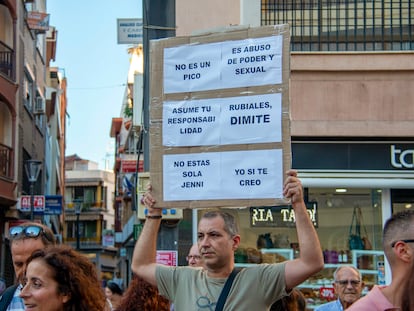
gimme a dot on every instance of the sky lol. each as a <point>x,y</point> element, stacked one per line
<point>96,69</point>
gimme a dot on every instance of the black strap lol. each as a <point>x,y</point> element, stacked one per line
<point>226,289</point>
<point>7,297</point>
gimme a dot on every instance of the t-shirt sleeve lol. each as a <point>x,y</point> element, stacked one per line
<point>272,281</point>
<point>165,281</point>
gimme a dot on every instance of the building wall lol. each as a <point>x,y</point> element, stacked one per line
<point>196,15</point>
<point>352,94</point>
<point>332,94</point>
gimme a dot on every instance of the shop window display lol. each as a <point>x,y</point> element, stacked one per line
<point>269,236</point>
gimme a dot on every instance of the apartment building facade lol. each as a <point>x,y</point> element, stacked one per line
<point>32,118</point>
<point>89,217</point>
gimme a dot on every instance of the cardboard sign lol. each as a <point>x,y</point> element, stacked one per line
<point>226,121</point>
<point>225,64</point>
<point>220,119</point>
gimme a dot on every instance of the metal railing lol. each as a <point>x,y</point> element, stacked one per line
<point>6,161</point>
<point>344,25</point>
<point>6,60</point>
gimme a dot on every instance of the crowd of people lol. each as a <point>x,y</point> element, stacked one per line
<point>58,278</point>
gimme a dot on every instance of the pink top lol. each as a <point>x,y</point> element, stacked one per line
<point>374,300</point>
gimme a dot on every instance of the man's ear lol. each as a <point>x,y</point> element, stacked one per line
<point>403,251</point>
<point>236,242</point>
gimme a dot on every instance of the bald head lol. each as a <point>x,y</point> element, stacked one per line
<point>194,259</point>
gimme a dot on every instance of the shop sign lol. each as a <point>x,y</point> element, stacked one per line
<point>38,21</point>
<point>130,166</point>
<point>108,238</point>
<point>129,30</point>
<point>327,293</point>
<point>53,205</point>
<point>361,156</point>
<point>38,203</point>
<point>42,204</point>
<point>280,216</point>
<point>168,258</point>
<point>401,158</point>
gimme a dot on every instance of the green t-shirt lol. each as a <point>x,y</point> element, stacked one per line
<point>254,288</point>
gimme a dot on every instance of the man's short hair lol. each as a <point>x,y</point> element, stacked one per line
<point>347,267</point>
<point>398,227</point>
<point>230,224</point>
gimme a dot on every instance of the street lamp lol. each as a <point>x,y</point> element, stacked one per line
<point>78,207</point>
<point>32,168</point>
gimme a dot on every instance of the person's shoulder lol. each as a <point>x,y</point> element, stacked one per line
<point>7,297</point>
<point>9,292</point>
<point>374,300</point>
<point>263,272</point>
<point>329,306</point>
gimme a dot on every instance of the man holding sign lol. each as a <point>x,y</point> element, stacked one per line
<point>218,239</point>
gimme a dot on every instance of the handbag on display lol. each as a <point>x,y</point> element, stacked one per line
<point>365,239</point>
<point>354,239</point>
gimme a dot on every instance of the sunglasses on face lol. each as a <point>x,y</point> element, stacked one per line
<point>26,231</point>
<point>405,241</point>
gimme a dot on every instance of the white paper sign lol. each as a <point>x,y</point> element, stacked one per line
<point>223,121</point>
<point>223,175</point>
<point>228,64</point>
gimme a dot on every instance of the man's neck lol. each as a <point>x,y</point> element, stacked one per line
<point>345,304</point>
<point>392,293</point>
<point>219,273</point>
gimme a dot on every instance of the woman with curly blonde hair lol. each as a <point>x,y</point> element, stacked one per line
<point>142,296</point>
<point>61,279</point>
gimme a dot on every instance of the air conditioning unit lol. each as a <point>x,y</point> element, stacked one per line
<point>40,105</point>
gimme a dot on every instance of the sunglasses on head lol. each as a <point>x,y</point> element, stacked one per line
<point>26,231</point>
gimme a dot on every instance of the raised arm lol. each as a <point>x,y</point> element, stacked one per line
<point>310,259</point>
<point>144,257</point>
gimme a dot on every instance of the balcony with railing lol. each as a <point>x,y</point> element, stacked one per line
<point>6,61</point>
<point>340,25</point>
<point>6,156</point>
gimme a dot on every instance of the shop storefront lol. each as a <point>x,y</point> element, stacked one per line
<point>371,179</point>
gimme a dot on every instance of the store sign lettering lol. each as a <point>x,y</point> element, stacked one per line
<point>402,158</point>
<point>261,215</point>
<point>279,216</point>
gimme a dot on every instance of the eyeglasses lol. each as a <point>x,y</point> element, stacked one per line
<point>195,257</point>
<point>346,282</point>
<point>405,241</point>
<point>26,231</point>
